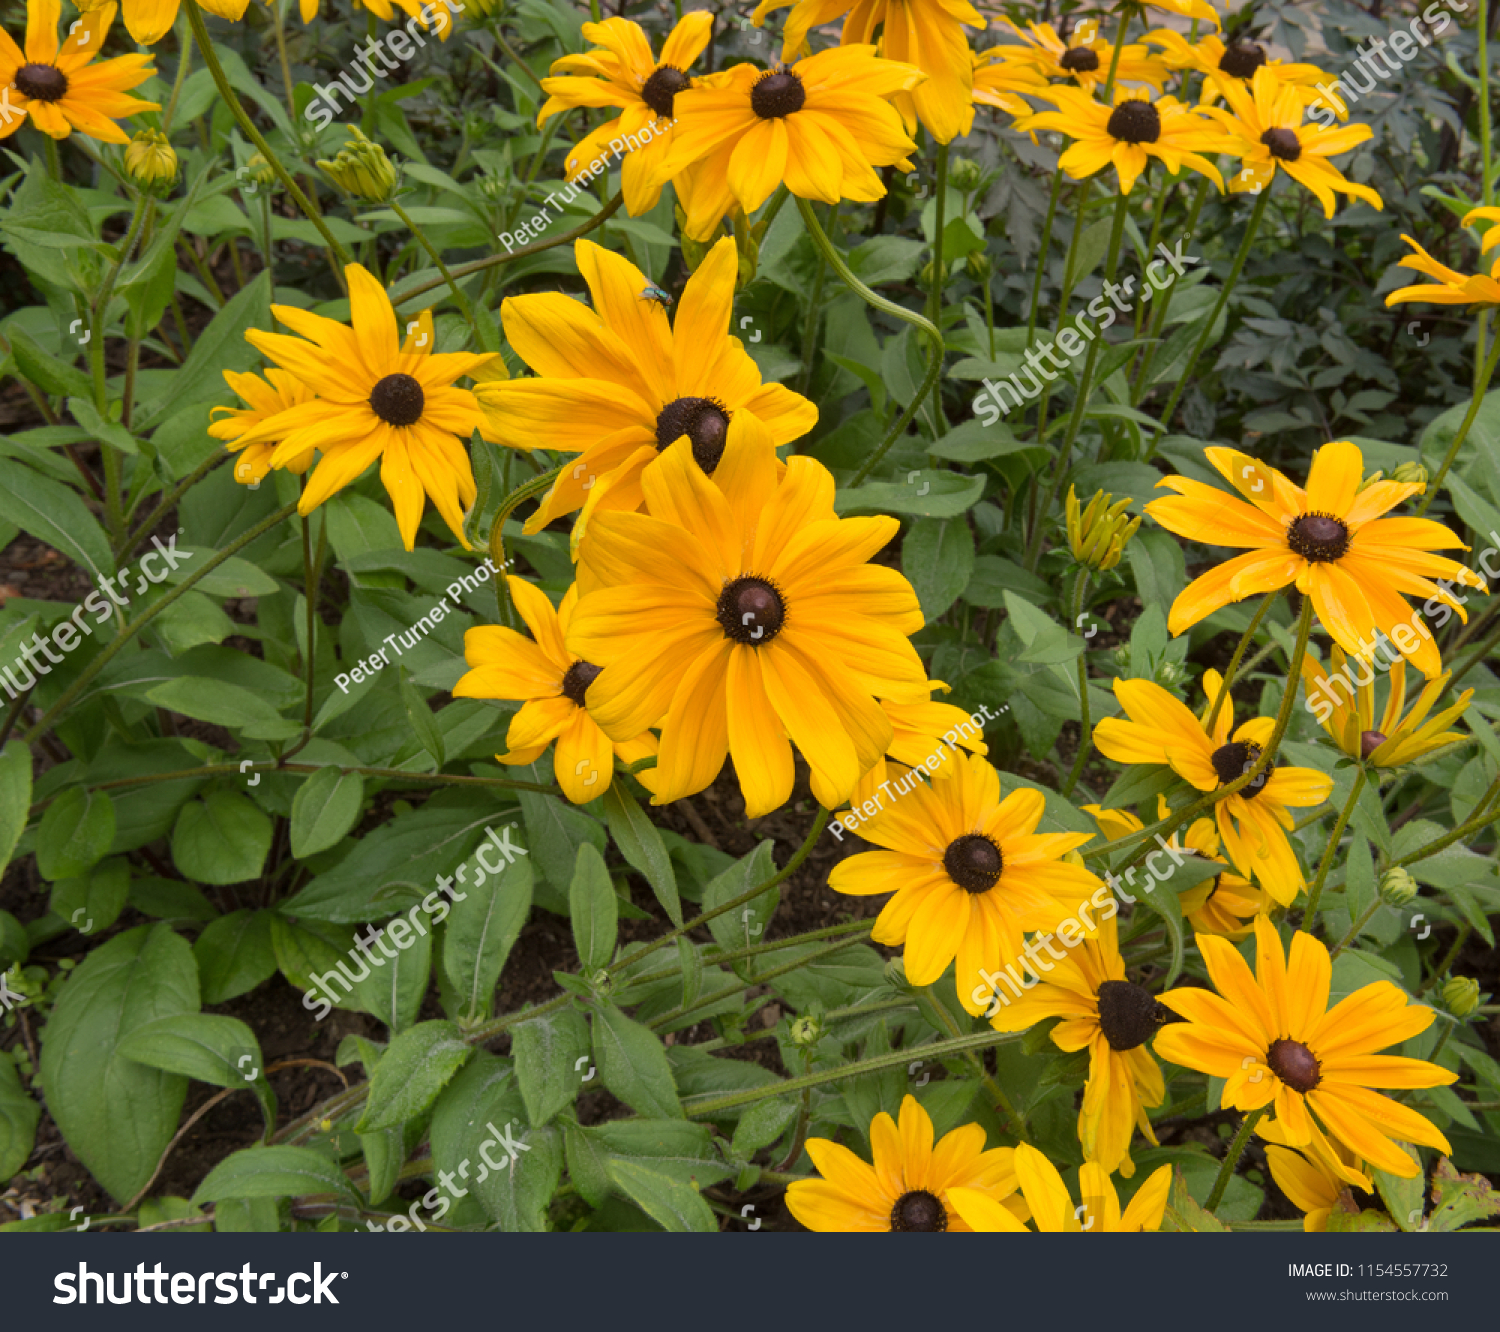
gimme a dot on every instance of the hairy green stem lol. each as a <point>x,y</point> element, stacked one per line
<point>1315,890</point>
<point>1232,1157</point>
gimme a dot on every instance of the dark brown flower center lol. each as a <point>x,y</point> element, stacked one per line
<point>1233,761</point>
<point>973,862</point>
<point>705,421</point>
<point>575,685</point>
<point>1128,1014</point>
<point>398,400</point>
<point>1369,742</point>
<point>659,90</point>
<point>1134,122</point>
<point>1294,1064</point>
<point>776,94</point>
<point>1318,537</point>
<point>1080,60</point>
<point>1283,144</point>
<point>751,611</point>
<point>1241,59</point>
<point>46,83</point>
<point>918,1210</point>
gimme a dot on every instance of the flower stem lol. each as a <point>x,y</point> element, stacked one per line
<point>1234,662</point>
<point>1164,306</point>
<point>1041,258</point>
<point>231,99</point>
<point>1482,377</point>
<point>184,64</point>
<point>1232,1157</point>
<point>463,301</point>
<point>509,505</point>
<point>1085,740</point>
<point>935,365</point>
<point>1315,891</point>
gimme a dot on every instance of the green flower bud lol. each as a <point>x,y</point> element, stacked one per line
<point>977,265</point>
<point>693,252</point>
<point>1397,887</point>
<point>806,1031</point>
<point>895,973</point>
<point>1461,995</point>
<point>1098,534</point>
<point>925,276</point>
<point>150,161</point>
<point>363,170</point>
<point>964,174</point>
<point>1409,473</point>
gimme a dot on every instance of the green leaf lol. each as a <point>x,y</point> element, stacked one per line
<point>672,1205</point>
<point>547,1052</point>
<point>1457,1199</point>
<point>641,845</point>
<point>15,796</point>
<point>938,557</point>
<point>75,833</point>
<point>925,493</point>
<point>761,1124</point>
<point>417,1066</point>
<point>213,701</point>
<point>324,810</point>
<point>54,514</point>
<point>593,909</point>
<point>92,902</point>
<point>746,925</point>
<point>44,369</point>
<point>429,735</point>
<point>223,838</point>
<point>633,1064</point>
<point>221,1051</point>
<point>482,928</point>
<point>117,1116</point>
<point>1403,1198</point>
<point>554,832</point>
<point>19,1115</point>
<point>274,1172</point>
<point>235,955</point>
<point>15,943</point>
<point>394,988</point>
<point>234,577</point>
<point>107,432</point>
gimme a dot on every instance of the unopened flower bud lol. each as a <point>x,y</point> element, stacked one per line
<point>925,276</point>
<point>1097,535</point>
<point>1397,887</point>
<point>363,170</point>
<point>693,252</point>
<point>1410,473</point>
<point>806,1031</point>
<point>260,171</point>
<point>150,161</point>
<point>964,174</point>
<point>1461,995</point>
<point>977,265</point>
<point>895,973</point>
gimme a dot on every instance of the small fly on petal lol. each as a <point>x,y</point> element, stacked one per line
<point>651,292</point>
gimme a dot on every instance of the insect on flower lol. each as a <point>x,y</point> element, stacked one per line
<point>651,292</point>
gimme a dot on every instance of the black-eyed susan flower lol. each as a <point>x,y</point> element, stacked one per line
<point>554,685</point>
<point>621,72</point>
<point>621,382</point>
<point>1330,540</point>
<point>148,21</point>
<point>820,126</point>
<point>970,873</point>
<point>1083,56</point>
<point>1129,135</point>
<point>1272,1036</point>
<point>279,394</point>
<point>928,34</point>
<point>1236,61</point>
<point>1253,822</point>
<point>1110,1017</point>
<point>1315,1176</point>
<point>1000,82</point>
<point>1344,703</point>
<point>740,617</point>
<point>907,1187</point>
<point>1225,904</point>
<point>1448,285</point>
<point>376,399</point>
<point>1266,118</point>
<point>62,88</point>
<point>1052,1207</point>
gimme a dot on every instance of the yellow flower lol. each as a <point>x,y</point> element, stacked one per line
<point>999,81</point>
<point>1127,137</point>
<point>969,871</point>
<point>1236,62</point>
<point>1083,56</point>
<point>739,615</point>
<point>1110,1017</point>
<point>928,34</point>
<point>820,126</point>
<point>60,89</point>
<point>1313,1178</point>
<point>279,394</point>
<point>1190,9</point>
<point>621,72</point>
<point>619,383</point>
<point>441,10</point>
<point>919,734</point>
<point>1491,236</point>
<point>908,1187</point>
<point>1254,821</point>
<point>555,685</point>
<point>1350,719</point>
<point>1330,540</point>
<point>1449,286</point>
<point>148,21</point>
<point>1266,119</point>
<point>1052,1207</point>
<point>1276,1041</point>
<point>376,400</point>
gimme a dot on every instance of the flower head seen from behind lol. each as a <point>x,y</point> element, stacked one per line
<point>621,72</point>
<point>927,34</point>
<point>553,685</point>
<point>61,88</point>
<point>1266,118</point>
<point>1345,705</point>
<point>1128,135</point>
<point>907,1187</point>
<point>622,381</point>
<point>1273,1037</point>
<point>1332,541</point>
<point>1254,821</point>
<point>1052,1207</point>
<point>1112,1018</point>
<point>279,394</point>
<point>741,617</point>
<point>376,400</point>
<point>970,873</point>
<point>821,127</point>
